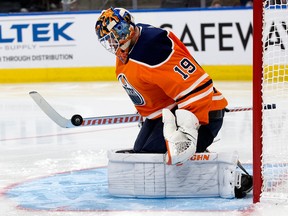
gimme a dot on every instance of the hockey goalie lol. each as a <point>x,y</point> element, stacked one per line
<point>183,114</point>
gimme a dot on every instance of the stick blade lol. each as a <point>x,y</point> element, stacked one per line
<point>49,110</point>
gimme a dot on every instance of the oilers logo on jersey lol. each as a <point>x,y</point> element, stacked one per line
<point>135,96</point>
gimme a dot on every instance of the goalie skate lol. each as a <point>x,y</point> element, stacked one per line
<point>246,186</point>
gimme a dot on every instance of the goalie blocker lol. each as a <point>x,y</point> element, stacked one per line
<point>148,176</point>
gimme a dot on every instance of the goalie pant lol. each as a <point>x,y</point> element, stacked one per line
<point>151,139</point>
<point>147,175</point>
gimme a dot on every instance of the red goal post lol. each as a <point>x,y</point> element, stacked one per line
<point>270,78</point>
<point>257,101</point>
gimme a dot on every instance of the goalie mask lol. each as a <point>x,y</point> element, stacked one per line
<point>115,29</point>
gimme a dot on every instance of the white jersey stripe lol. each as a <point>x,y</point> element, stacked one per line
<point>192,87</point>
<point>218,97</point>
<point>196,98</point>
<point>159,112</point>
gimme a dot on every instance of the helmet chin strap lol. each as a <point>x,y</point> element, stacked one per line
<point>125,45</point>
<point>128,45</point>
<point>124,49</point>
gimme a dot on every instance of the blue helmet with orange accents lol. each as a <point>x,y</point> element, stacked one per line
<point>115,29</point>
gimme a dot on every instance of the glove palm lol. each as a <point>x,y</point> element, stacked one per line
<point>180,132</point>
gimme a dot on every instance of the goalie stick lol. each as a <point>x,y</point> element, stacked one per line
<point>237,109</point>
<point>78,121</point>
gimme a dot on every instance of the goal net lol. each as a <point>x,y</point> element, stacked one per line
<point>270,126</point>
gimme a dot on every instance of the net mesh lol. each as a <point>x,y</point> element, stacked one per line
<point>275,90</point>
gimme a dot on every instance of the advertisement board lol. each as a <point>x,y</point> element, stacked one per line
<point>53,42</point>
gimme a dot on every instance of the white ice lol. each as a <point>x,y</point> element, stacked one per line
<point>32,146</point>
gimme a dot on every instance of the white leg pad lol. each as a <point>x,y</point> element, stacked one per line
<point>147,175</point>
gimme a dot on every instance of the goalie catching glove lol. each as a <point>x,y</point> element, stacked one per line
<point>180,132</point>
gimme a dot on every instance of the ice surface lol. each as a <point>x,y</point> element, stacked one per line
<point>32,147</point>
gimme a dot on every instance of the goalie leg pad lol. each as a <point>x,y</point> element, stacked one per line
<point>147,175</point>
<point>229,177</point>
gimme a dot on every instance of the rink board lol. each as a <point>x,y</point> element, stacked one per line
<point>87,190</point>
<point>46,47</point>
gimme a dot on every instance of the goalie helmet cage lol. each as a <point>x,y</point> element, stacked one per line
<point>270,76</point>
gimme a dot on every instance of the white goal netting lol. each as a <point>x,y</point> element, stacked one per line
<point>275,90</point>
